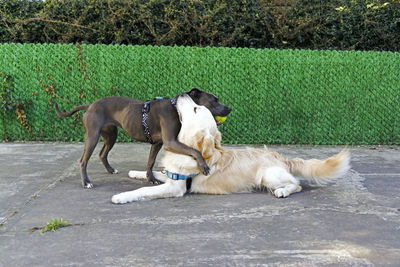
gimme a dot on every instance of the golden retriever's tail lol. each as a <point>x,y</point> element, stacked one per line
<point>321,171</point>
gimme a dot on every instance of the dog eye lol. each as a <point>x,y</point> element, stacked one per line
<point>195,109</point>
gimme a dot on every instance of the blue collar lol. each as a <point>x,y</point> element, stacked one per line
<point>177,176</point>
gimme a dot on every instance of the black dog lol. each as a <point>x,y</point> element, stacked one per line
<point>155,121</point>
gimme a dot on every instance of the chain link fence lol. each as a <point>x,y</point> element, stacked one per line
<point>277,96</point>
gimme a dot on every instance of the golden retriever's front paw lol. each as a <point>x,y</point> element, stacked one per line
<point>281,192</point>
<point>141,175</point>
<point>119,199</point>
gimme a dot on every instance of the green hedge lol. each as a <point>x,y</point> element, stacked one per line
<point>277,96</point>
<point>306,24</point>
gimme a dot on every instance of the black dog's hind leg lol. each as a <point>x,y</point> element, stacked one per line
<point>155,148</point>
<point>109,135</point>
<point>92,135</point>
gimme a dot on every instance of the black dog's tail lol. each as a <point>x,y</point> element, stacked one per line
<point>72,111</point>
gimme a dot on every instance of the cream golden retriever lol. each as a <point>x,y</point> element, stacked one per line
<point>231,170</point>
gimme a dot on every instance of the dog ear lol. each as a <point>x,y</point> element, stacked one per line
<point>205,144</point>
<point>208,147</point>
<point>194,93</point>
<point>199,137</point>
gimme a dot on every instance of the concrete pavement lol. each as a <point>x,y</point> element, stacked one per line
<point>352,222</point>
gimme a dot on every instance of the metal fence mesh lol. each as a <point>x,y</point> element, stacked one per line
<point>277,96</point>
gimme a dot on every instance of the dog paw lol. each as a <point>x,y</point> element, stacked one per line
<point>88,186</point>
<point>123,198</point>
<point>154,181</point>
<point>119,199</point>
<point>137,175</point>
<point>205,170</point>
<point>112,170</point>
<point>281,192</point>
<point>151,179</point>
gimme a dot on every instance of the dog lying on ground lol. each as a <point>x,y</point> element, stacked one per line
<point>154,121</point>
<point>231,170</point>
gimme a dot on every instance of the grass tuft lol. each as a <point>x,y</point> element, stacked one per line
<point>54,224</point>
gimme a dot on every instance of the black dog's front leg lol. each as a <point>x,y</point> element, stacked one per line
<point>170,127</point>
<point>178,147</point>
<point>155,148</point>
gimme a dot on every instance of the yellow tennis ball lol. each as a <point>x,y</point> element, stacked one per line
<point>220,119</point>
